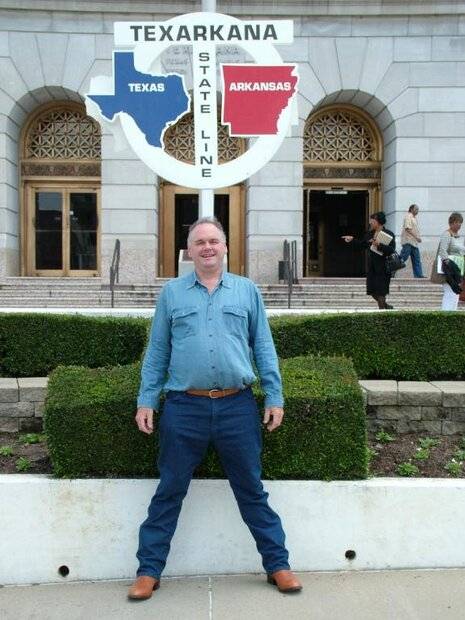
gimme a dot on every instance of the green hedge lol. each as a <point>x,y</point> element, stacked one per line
<point>31,345</point>
<point>89,421</point>
<point>91,431</point>
<point>399,345</point>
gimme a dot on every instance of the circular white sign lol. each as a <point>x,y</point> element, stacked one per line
<point>221,175</point>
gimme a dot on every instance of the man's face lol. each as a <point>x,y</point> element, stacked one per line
<point>415,211</point>
<point>207,248</point>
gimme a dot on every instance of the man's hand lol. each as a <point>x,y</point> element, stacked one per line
<point>273,417</point>
<point>347,238</point>
<point>144,419</point>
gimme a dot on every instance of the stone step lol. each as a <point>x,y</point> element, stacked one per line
<point>266,296</point>
<point>319,301</point>
<point>311,293</point>
<point>349,287</point>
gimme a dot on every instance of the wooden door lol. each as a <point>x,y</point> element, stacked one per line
<point>62,230</point>
<point>179,208</point>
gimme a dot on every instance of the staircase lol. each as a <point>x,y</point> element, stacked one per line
<point>310,293</point>
<point>350,293</point>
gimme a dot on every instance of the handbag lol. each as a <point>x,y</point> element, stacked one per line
<point>457,259</point>
<point>394,263</point>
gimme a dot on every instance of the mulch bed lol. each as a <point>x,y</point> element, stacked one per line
<point>36,453</point>
<point>401,450</point>
<point>384,463</point>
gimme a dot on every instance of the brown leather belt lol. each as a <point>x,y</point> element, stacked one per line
<point>214,393</point>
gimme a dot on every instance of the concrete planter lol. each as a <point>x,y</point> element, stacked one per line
<point>91,526</point>
<point>22,404</point>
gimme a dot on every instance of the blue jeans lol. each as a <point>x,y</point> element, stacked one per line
<point>187,425</point>
<point>410,250</point>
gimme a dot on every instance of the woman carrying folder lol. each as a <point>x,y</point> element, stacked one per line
<point>380,243</point>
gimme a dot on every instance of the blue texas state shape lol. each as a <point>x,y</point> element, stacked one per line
<point>153,101</point>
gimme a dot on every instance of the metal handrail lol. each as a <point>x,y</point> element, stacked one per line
<point>114,270</point>
<point>290,267</point>
<point>294,262</point>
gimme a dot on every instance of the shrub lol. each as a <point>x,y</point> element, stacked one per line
<point>399,345</point>
<point>31,345</point>
<point>378,343</point>
<point>89,421</point>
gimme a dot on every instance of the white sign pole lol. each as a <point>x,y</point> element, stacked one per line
<point>205,123</point>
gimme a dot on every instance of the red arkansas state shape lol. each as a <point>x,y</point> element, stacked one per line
<point>254,97</point>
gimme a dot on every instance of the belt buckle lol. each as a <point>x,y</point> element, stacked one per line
<point>214,390</point>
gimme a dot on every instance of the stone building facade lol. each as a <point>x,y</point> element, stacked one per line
<point>381,125</point>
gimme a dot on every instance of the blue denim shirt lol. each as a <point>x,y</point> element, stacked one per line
<point>204,341</point>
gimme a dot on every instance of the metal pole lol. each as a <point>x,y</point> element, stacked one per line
<point>207,196</point>
<point>207,203</point>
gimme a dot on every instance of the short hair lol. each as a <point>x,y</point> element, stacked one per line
<point>412,208</point>
<point>379,217</point>
<point>205,220</point>
<point>455,217</point>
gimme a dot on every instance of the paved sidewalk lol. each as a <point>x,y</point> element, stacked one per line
<point>349,595</point>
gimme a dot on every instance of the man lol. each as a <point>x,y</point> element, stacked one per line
<point>205,326</point>
<point>410,239</point>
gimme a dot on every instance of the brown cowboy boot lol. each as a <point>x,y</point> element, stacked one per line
<point>285,581</point>
<point>143,587</point>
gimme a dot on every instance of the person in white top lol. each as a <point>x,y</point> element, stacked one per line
<point>410,239</point>
<point>450,244</point>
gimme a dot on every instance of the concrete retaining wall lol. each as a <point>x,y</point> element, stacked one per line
<point>21,404</point>
<point>415,406</point>
<point>401,407</point>
<point>91,526</point>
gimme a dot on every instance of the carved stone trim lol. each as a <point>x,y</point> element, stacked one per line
<point>330,172</point>
<point>62,169</point>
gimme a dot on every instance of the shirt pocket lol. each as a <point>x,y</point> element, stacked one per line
<point>185,322</point>
<point>236,321</point>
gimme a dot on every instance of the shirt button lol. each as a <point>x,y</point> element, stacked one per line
<point>213,366</point>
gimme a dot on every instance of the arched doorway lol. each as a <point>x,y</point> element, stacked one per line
<point>179,206</point>
<point>342,186</point>
<point>60,192</point>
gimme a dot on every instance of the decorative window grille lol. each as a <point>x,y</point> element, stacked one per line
<point>63,134</point>
<point>179,141</point>
<point>338,136</point>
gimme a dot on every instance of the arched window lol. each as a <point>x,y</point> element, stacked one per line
<point>57,136</point>
<point>60,178</point>
<point>339,135</point>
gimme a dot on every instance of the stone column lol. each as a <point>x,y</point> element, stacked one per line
<point>129,213</point>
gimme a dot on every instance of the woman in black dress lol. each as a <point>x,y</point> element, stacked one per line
<point>378,278</point>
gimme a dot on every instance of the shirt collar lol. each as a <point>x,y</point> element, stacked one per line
<point>225,280</point>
